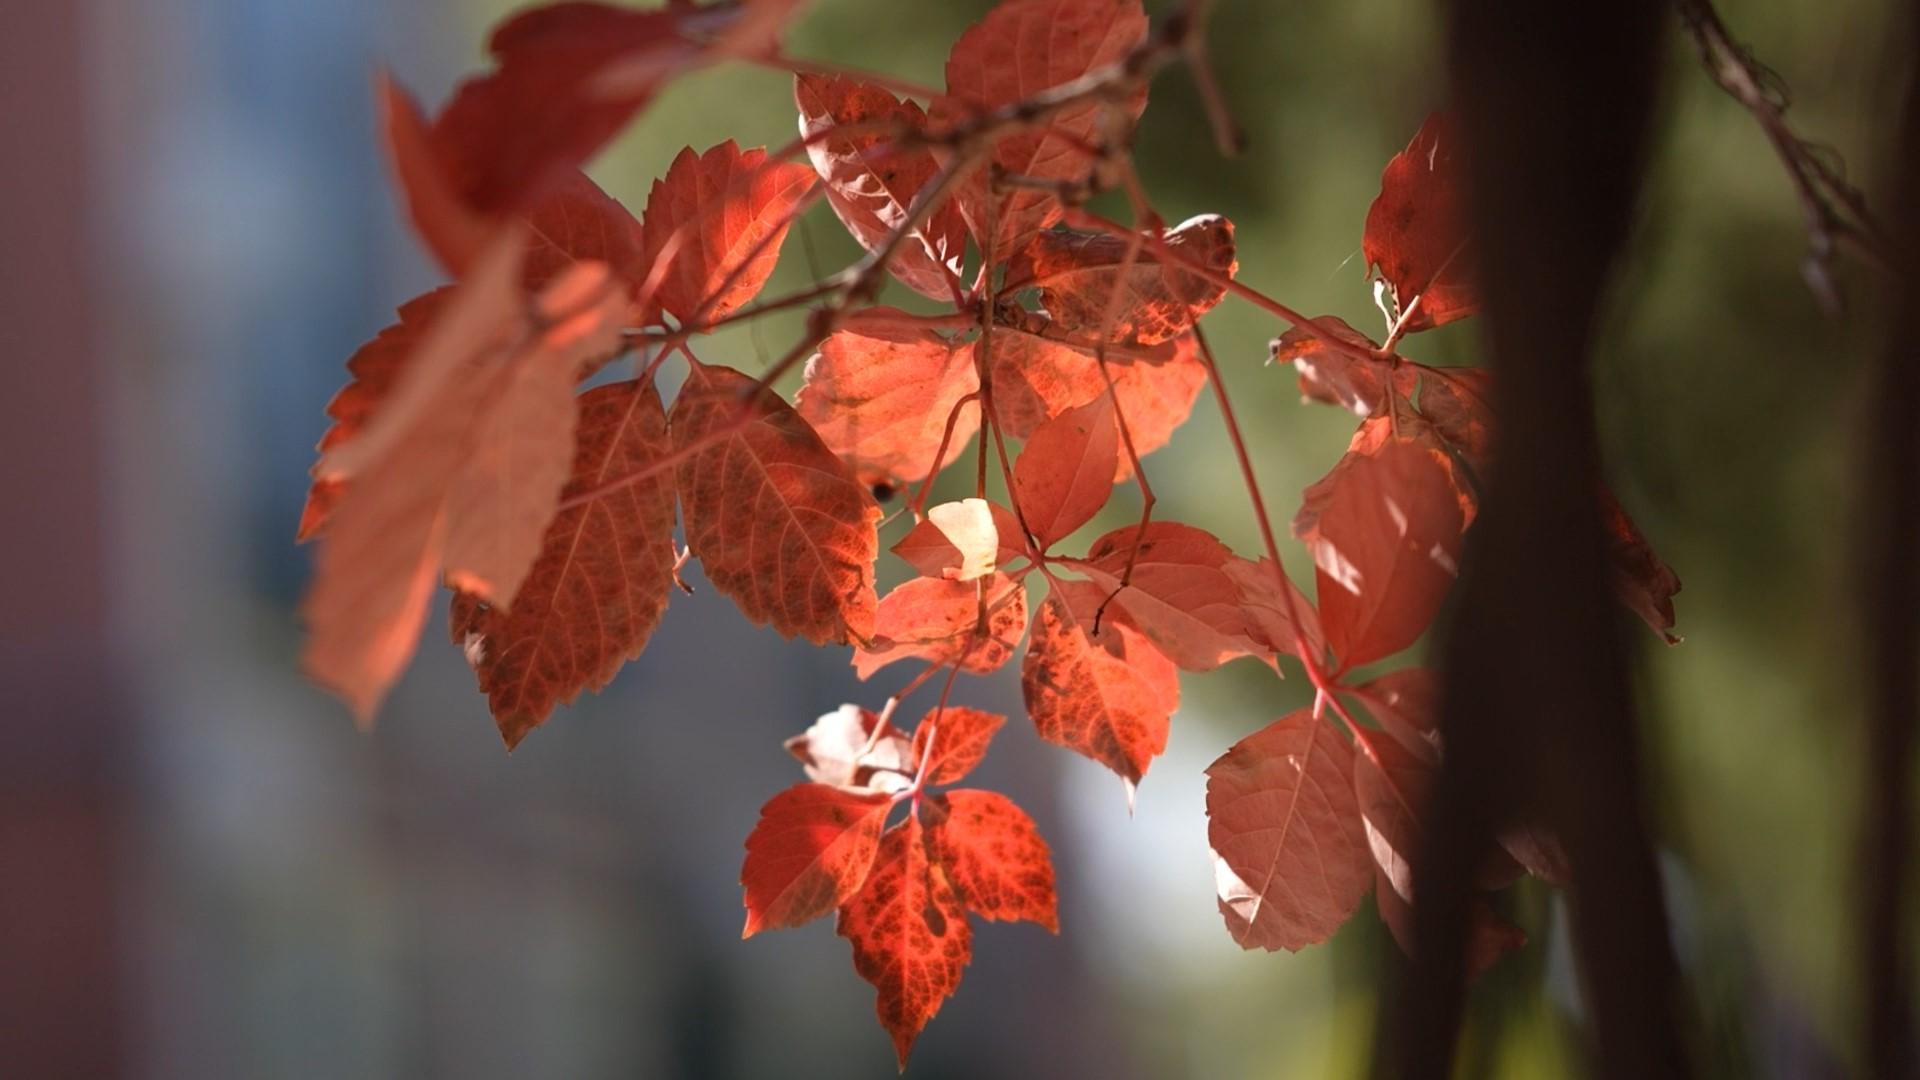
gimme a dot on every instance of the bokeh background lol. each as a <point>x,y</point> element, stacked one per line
<point>293,897</point>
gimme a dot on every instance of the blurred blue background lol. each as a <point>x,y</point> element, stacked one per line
<point>302,899</point>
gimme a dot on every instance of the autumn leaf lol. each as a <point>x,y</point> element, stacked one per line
<point>1331,375</point>
<point>1290,855</point>
<point>1020,48</point>
<point>909,934</point>
<point>880,398</point>
<point>499,508</point>
<point>1641,579</point>
<point>1180,594</point>
<point>772,515</point>
<point>719,219</point>
<point>1386,542</point>
<point>872,179</point>
<point>1392,784</point>
<point>937,620</point>
<point>1078,274</point>
<point>929,550</point>
<point>1108,696</point>
<point>1036,379</point>
<point>1064,474</point>
<point>994,857</point>
<point>1416,233</point>
<point>842,749</point>
<point>600,583</point>
<point>375,367</point>
<point>1406,704</point>
<point>969,525</point>
<point>809,854</point>
<point>452,230</point>
<point>958,737</point>
<point>1280,621</point>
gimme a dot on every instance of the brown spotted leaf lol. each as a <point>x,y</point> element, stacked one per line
<point>994,857</point>
<point>1109,697</point>
<point>909,934</point>
<point>810,853</point>
<point>959,737</point>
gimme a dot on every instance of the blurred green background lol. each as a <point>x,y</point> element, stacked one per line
<point>319,902</point>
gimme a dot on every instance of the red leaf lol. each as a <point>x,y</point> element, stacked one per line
<point>937,620</point>
<point>1392,783</point>
<point>1290,856</point>
<point>872,180</point>
<point>387,541</point>
<point>1405,703</point>
<point>773,516</point>
<point>1035,379</point>
<point>714,214</point>
<point>1270,615</point>
<point>547,106</point>
<point>450,228</point>
<point>600,584</point>
<point>1109,697</point>
<point>910,935</point>
<point>1334,376</point>
<point>839,749</point>
<point>880,399</point>
<point>375,368</point>
<point>1458,402</point>
<point>960,737</point>
<point>1416,234</point>
<point>1064,474</point>
<point>929,550</point>
<point>1386,542</point>
<point>1021,48</point>
<point>576,221</point>
<point>1641,580</point>
<point>1077,274</point>
<point>810,853</point>
<point>499,509</point>
<point>1180,596</point>
<point>994,857</point>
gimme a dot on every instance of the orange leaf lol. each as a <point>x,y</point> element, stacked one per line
<point>1271,614</point>
<point>880,399</point>
<point>960,736</point>
<point>994,857</point>
<point>1108,697</point>
<point>773,516</point>
<point>810,853</point>
<point>1416,231</point>
<point>872,180</point>
<point>498,510</point>
<point>937,620</point>
<point>1290,856</point>
<point>600,584</point>
<point>1064,474</point>
<point>1386,541</point>
<point>726,213</point>
<point>909,934</point>
<point>1077,275</point>
<point>1180,595</point>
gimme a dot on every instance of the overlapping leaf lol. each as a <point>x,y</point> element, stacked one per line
<point>1064,474</point>
<point>1036,379</point>
<point>929,550</point>
<point>600,584</point>
<point>880,397</point>
<point>1021,48</point>
<point>773,516</point>
<point>872,178</point>
<point>1180,595</point>
<point>938,620</point>
<point>1104,287</point>
<point>1108,696</point>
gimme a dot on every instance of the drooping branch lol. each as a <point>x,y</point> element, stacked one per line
<point>1837,212</point>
